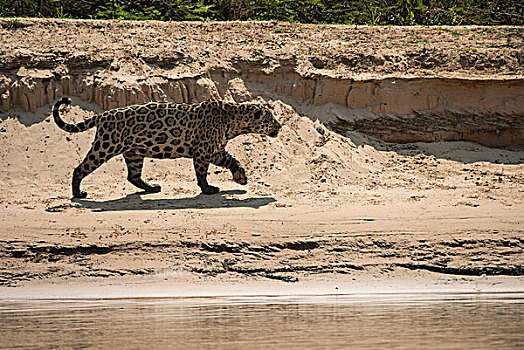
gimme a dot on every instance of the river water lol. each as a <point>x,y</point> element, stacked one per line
<point>389,321</point>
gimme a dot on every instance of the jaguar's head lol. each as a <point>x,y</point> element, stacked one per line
<point>261,121</point>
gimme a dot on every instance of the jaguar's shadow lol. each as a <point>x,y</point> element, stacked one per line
<point>136,202</point>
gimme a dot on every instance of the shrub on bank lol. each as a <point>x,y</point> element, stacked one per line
<point>375,12</point>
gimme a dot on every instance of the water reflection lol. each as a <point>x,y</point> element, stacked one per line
<point>481,321</point>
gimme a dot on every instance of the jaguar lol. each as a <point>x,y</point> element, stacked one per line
<point>165,130</point>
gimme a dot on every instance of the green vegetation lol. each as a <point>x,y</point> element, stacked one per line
<point>375,12</point>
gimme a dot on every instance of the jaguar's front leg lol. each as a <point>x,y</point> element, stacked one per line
<point>201,167</point>
<point>226,160</point>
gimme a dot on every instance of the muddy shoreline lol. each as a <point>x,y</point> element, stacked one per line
<point>489,254</point>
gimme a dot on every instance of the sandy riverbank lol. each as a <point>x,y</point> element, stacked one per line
<point>328,198</point>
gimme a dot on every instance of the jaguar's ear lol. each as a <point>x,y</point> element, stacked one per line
<point>258,114</point>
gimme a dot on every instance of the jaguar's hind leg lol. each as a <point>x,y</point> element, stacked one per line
<point>135,164</point>
<point>92,161</point>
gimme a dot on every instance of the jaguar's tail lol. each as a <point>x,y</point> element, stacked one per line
<point>82,126</point>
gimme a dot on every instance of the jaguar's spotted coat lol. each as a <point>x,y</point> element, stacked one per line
<point>168,130</point>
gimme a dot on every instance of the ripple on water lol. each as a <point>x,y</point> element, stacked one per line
<point>389,321</point>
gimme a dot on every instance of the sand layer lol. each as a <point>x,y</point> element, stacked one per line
<point>374,171</point>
